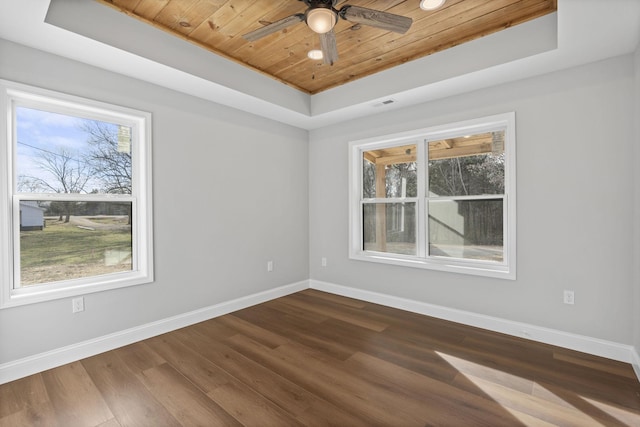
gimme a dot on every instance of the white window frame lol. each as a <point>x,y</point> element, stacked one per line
<point>505,269</point>
<point>15,94</point>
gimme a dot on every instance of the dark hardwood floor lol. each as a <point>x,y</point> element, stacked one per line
<point>318,359</point>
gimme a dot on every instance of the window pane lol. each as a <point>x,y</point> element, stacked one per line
<point>57,153</point>
<point>62,240</point>
<point>390,172</point>
<point>470,229</point>
<point>468,165</point>
<point>390,227</point>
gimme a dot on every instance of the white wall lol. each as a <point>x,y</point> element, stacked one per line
<point>247,175</point>
<point>269,195</point>
<point>575,204</point>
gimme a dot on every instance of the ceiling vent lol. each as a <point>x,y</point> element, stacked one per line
<point>385,102</point>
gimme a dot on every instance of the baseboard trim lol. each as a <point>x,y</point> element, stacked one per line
<point>595,346</point>
<point>41,362</point>
<point>636,362</point>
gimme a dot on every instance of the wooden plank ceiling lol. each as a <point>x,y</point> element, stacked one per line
<point>218,25</point>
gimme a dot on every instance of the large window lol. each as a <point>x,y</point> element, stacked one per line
<point>440,198</point>
<point>76,196</point>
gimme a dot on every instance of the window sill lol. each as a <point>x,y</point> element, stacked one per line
<point>479,268</point>
<point>72,288</point>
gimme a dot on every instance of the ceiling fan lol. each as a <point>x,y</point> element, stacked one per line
<point>321,16</point>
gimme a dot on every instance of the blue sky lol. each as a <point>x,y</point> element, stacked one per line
<point>41,132</point>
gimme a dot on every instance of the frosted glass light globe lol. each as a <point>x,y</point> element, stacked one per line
<point>321,20</point>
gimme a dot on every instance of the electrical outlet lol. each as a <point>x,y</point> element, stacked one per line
<point>569,297</point>
<point>77,304</point>
<point>269,266</point>
<point>323,262</point>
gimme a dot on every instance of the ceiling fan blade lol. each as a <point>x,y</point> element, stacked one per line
<point>329,47</point>
<point>274,27</point>
<point>376,18</point>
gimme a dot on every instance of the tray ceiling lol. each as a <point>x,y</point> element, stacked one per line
<point>218,26</point>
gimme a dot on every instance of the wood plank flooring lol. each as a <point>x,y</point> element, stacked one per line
<point>316,359</point>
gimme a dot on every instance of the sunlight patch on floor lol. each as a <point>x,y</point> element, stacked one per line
<point>623,415</point>
<point>515,402</point>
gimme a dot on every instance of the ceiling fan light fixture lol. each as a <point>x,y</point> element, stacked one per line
<point>431,4</point>
<point>321,19</point>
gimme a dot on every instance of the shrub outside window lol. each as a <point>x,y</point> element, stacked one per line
<point>440,198</point>
<point>76,196</point>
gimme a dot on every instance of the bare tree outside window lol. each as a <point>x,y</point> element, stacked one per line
<point>109,156</point>
<point>78,193</point>
<point>60,154</point>
<point>62,172</point>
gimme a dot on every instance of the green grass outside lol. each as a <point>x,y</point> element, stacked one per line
<point>69,251</point>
